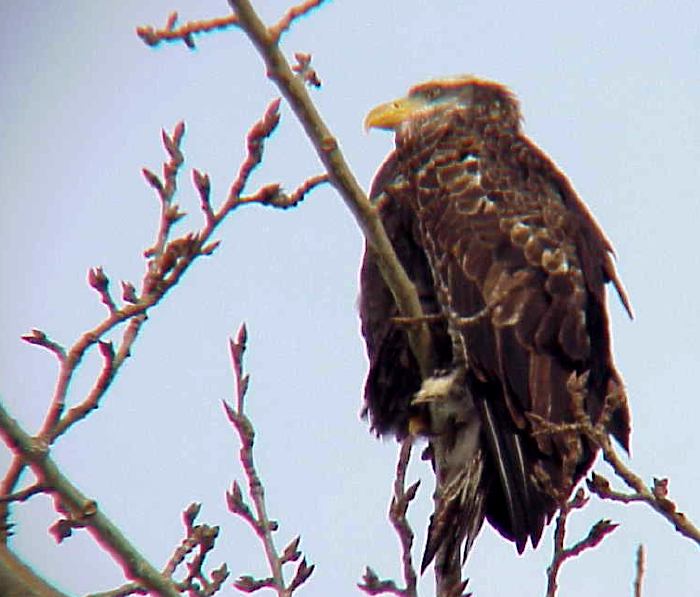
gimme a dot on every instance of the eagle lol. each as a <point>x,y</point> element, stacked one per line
<point>511,268</point>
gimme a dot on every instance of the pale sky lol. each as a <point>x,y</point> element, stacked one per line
<point>609,89</point>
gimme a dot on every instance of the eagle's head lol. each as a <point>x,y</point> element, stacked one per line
<point>432,98</point>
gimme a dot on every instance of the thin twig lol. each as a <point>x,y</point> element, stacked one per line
<point>259,519</point>
<point>397,515</point>
<point>184,33</point>
<point>639,571</point>
<point>656,496</point>
<point>167,261</point>
<point>371,583</point>
<point>130,588</point>
<point>24,494</point>
<point>255,141</point>
<point>597,533</point>
<point>294,13</point>
<point>9,482</point>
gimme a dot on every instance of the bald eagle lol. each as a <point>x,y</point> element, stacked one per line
<point>510,268</point>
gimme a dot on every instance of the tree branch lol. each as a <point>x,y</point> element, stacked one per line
<point>340,176</point>
<point>79,510</point>
<point>184,33</point>
<point>258,520</point>
<point>656,497</point>
<point>371,583</point>
<point>639,571</point>
<point>597,533</point>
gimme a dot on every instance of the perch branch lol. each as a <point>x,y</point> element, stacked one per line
<point>340,175</point>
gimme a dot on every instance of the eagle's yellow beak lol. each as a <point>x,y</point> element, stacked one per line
<point>390,115</point>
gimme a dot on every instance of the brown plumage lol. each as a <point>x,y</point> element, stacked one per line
<point>512,264</point>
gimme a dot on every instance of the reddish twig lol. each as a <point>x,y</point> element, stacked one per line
<point>371,583</point>
<point>598,532</point>
<point>9,482</point>
<point>24,494</point>
<point>257,516</point>
<point>168,259</point>
<point>99,281</point>
<point>255,141</point>
<point>198,542</point>
<point>184,33</point>
<point>294,13</point>
<point>656,497</point>
<point>273,195</point>
<point>39,338</point>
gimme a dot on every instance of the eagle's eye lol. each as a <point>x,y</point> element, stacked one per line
<point>433,93</point>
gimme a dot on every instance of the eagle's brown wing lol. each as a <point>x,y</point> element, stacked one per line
<point>520,268</point>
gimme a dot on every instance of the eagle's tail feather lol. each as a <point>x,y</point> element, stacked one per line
<point>458,516</point>
<point>525,510</point>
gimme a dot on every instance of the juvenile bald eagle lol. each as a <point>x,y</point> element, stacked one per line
<point>511,268</point>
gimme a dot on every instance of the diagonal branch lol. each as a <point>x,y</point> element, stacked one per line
<point>340,175</point>
<point>639,571</point>
<point>81,510</point>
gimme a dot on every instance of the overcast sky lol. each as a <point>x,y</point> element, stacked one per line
<point>609,89</point>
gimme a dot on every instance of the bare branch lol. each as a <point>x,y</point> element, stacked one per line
<point>184,33</point>
<point>340,176</point>
<point>597,533</point>
<point>9,482</point>
<point>79,509</point>
<point>39,338</point>
<point>131,588</point>
<point>24,494</point>
<point>639,571</point>
<point>100,282</point>
<point>294,13</point>
<point>371,584</point>
<point>273,196</point>
<point>19,580</point>
<point>257,516</point>
<point>255,141</point>
<point>305,71</point>
<point>655,497</point>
